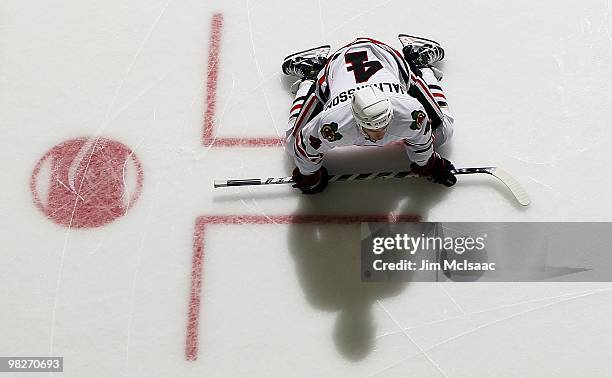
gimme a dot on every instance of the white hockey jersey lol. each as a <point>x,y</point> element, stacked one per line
<point>323,115</point>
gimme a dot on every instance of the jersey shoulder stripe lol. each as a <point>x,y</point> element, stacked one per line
<point>312,106</point>
<point>421,92</point>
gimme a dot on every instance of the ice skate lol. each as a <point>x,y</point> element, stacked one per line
<point>306,64</point>
<point>420,51</point>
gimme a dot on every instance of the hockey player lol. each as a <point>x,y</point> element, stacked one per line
<point>368,94</point>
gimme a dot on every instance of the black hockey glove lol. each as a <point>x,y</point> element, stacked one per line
<point>310,184</point>
<point>437,169</point>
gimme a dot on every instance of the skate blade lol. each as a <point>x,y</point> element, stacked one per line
<point>406,39</point>
<point>321,50</point>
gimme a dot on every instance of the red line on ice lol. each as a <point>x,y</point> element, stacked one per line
<point>208,138</point>
<point>191,344</point>
<point>213,69</point>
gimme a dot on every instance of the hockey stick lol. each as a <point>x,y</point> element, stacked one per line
<point>517,190</point>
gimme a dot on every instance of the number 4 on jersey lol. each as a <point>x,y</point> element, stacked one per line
<point>358,63</point>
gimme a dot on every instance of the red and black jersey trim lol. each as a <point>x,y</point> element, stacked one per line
<point>408,143</point>
<point>300,99</point>
<point>323,92</point>
<point>422,93</point>
<point>438,94</point>
<point>303,149</point>
<point>309,110</point>
<point>424,149</point>
<point>296,107</point>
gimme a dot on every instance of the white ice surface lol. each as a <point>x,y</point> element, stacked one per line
<point>529,83</point>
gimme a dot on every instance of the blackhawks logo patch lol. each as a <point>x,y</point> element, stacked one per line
<point>418,117</point>
<point>330,132</point>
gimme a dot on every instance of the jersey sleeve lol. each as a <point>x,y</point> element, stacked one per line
<point>304,143</point>
<point>309,147</point>
<point>420,148</point>
<point>420,90</point>
<point>417,134</point>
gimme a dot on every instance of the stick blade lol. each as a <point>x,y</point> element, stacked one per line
<point>517,189</point>
<point>220,183</point>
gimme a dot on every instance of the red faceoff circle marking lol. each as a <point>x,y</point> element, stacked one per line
<point>86,182</point>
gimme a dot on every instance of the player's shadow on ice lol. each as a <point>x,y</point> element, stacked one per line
<point>327,256</point>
